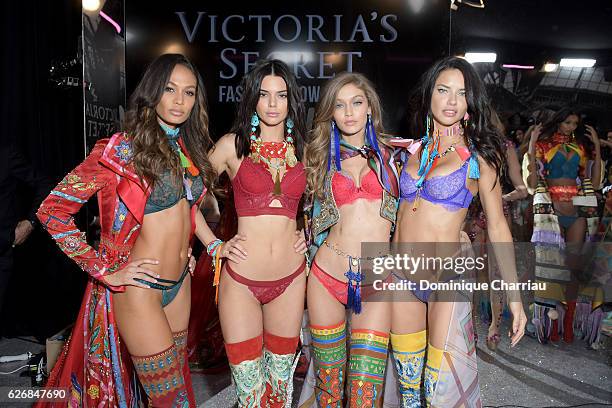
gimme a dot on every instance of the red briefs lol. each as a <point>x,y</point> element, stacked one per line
<point>265,291</point>
<point>335,287</point>
<point>339,289</point>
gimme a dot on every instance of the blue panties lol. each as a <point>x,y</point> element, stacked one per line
<point>170,289</point>
<point>566,221</point>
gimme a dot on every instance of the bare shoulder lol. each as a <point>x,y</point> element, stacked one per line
<point>226,146</point>
<point>489,179</point>
<point>484,167</point>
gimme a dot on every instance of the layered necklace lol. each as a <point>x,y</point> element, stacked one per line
<point>186,163</point>
<point>274,155</point>
<point>431,156</point>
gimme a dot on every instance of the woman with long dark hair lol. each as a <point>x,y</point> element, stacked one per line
<point>353,179</point>
<point>558,156</point>
<point>461,154</point>
<point>149,180</point>
<point>261,296</point>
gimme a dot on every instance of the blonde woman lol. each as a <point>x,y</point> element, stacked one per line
<point>351,175</point>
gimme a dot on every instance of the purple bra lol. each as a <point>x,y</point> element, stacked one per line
<point>448,191</point>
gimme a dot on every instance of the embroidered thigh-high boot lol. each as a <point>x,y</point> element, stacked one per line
<point>246,364</point>
<point>409,357</point>
<point>180,339</point>
<point>162,378</point>
<point>366,372</point>
<point>432,369</point>
<point>279,358</point>
<point>329,353</point>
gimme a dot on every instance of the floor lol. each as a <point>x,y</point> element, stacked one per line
<point>530,375</point>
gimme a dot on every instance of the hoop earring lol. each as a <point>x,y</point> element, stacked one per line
<point>465,121</point>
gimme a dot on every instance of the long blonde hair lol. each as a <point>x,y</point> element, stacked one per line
<point>317,149</point>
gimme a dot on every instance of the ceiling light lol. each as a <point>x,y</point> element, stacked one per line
<point>550,67</point>
<point>518,66</point>
<point>91,5</point>
<point>577,62</point>
<point>473,57</point>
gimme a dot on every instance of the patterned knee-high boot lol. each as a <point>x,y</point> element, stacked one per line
<point>246,364</point>
<point>329,353</point>
<point>432,370</point>
<point>180,339</point>
<point>409,357</point>
<point>162,378</point>
<point>366,373</point>
<point>279,356</point>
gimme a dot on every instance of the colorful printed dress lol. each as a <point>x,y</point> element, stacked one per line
<point>94,364</point>
<point>549,245</point>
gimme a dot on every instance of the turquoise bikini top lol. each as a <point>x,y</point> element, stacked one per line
<point>168,190</point>
<point>561,167</point>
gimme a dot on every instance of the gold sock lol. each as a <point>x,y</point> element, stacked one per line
<point>409,356</point>
<point>432,369</point>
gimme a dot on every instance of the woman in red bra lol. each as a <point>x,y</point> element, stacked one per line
<point>262,284</point>
<point>354,183</point>
<point>460,155</point>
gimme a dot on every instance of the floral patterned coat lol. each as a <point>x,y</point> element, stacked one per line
<point>94,365</point>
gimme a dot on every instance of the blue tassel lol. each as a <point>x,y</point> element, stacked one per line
<point>334,148</point>
<point>337,148</point>
<point>331,147</point>
<point>354,287</point>
<point>424,157</point>
<point>473,163</point>
<point>426,163</point>
<point>474,167</point>
<point>373,143</point>
<point>371,137</point>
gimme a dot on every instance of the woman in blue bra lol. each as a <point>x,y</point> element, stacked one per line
<point>558,159</point>
<point>149,181</point>
<point>460,155</point>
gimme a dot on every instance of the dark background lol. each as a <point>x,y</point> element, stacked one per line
<point>392,66</point>
<point>47,124</point>
<point>46,120</point>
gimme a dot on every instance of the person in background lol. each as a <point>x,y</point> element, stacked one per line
<point>15,228</point>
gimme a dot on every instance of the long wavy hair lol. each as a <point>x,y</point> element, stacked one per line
<point>152,153</point>
<point>551,126</point>
<point>251,85</point>
<point>481,134</point>
<point>317,149</point>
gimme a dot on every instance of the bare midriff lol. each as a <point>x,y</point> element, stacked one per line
<point>164,236</point>
<point>429,223</point>
<point>360,221</point>
<point>269,246</point>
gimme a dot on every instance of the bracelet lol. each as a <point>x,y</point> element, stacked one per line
<point>211,248</point>
<point>217,268</point>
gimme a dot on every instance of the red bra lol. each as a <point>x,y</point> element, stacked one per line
<point>345,191</point>
<point>253,190</point>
